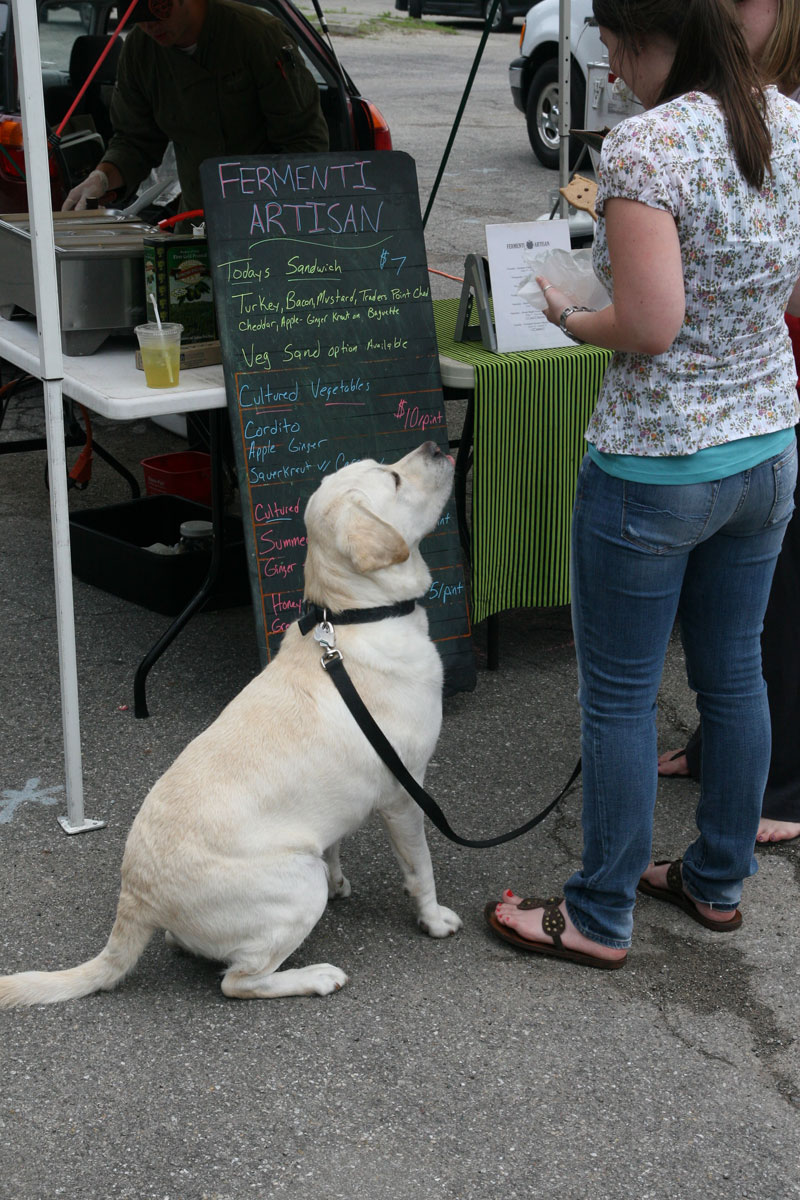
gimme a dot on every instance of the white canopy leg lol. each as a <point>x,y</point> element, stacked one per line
<point>565,113</point>
<point>52,373</point>
<point>74,821</point>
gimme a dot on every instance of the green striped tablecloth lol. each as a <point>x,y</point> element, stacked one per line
<point>531,410</point>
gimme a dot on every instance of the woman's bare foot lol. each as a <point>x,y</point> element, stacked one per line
<point>673,762</point>
<point>528,924</point>
<point>777,831</point>
<point>658,877</point>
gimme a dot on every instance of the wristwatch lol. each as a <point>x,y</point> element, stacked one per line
<point>562,320</point>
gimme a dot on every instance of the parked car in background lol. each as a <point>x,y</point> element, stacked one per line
<point>84,11</point>
<point>534,75</point>
<point>72,37</point>
<point>502,19</point>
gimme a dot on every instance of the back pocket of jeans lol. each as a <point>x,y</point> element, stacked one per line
<point>664,519</point>
<point>784,474</point>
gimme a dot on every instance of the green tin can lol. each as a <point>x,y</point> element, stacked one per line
<point>177,273</point>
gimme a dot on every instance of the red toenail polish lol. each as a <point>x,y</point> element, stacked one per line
<point>508,892</point>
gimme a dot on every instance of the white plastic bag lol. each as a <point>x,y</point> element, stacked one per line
<point>569,270</point>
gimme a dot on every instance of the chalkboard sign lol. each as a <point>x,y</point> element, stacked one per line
<point>329,350</point>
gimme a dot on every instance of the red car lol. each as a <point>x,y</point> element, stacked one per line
<point>72,37</point>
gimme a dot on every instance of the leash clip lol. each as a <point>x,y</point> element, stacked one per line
<point>331,655</point>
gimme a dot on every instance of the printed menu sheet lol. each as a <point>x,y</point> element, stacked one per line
<point>515,253</point>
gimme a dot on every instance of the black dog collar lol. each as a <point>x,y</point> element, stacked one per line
<point>313,614</point>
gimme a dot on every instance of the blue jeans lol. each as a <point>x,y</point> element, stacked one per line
<point>643,554</point>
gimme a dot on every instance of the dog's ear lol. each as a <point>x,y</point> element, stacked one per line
<point>368,541</point>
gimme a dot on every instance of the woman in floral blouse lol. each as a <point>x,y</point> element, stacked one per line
<point>772,31</point>
<point>687,486</point>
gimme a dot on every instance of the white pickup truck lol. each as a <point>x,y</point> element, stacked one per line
<point>598,99</point>
<point>533,78</point>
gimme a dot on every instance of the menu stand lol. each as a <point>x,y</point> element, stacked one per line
<point>476,294</point>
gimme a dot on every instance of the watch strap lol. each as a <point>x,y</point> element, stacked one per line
<point>566,314</point>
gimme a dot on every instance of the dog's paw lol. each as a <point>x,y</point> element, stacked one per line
<point>444,923</point>
<point>339,889</point>
<point>323,978</point>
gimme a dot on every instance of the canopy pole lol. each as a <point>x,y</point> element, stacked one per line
<point>51,372</point>
<point>565,107</point>
<point>487,29</point>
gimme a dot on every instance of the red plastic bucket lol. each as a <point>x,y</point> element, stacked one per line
<point>186,473</point>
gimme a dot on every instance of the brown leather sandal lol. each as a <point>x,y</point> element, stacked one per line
<point>674,893</point>
<point>553,924</point>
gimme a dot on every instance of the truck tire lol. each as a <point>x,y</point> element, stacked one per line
<point>542,112</point>
<point>502,21</point>
<point>415,9</point>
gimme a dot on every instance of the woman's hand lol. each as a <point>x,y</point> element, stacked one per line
<point>649,300</point>
<point>555,299</point>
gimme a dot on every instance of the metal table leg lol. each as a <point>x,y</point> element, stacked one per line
<point>216,417</point>
<point>463,464</point>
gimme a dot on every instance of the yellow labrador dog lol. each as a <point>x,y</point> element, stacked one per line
<point>235,851</point>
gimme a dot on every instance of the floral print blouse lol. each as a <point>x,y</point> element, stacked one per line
<point>730,372</point>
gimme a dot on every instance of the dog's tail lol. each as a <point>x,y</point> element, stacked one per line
<point>131,932</point>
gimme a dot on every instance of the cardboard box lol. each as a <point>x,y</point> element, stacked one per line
<point>109,551</point>
<point>200,354</point>
<point>177,273</point>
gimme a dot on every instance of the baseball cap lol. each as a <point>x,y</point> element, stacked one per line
<point>150,10</point>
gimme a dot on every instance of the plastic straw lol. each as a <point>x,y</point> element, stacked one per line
<point>167,358</point>
<point>155,310</point>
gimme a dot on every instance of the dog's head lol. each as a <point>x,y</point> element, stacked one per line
<point>365,524</point>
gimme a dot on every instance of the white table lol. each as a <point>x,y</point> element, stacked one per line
<point>109,382</point>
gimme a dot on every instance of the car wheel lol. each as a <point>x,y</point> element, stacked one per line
<point>415,9</point>
<point>501,20</point>
<point>543,111</point>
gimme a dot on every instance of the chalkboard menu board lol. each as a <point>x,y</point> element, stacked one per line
<point>328,343</point>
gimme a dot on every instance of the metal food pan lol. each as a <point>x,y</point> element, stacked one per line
<point>99,272</point>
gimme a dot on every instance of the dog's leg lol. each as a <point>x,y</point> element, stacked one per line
<point>318,980</point>
<point>405,825</point>
<point>285,921</point>
<point>337,884</point>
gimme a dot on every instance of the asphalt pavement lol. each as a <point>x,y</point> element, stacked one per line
<point>460,1070</point>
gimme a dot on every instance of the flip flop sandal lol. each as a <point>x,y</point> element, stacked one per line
<point>673,893</point>
<point>553,924</point>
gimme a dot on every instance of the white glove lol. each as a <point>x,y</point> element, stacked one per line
<point>93,187</point>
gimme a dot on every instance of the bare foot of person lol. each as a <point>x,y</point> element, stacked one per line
<point>777,831</point>
<point>657,876</point>
<point>673,762</point>
<point>528,924</point>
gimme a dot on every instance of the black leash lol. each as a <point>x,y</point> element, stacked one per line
<point>332,662</point>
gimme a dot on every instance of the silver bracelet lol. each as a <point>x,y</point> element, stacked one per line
<point>566,313</point>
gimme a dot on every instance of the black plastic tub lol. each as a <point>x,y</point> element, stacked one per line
<point>108,551</point>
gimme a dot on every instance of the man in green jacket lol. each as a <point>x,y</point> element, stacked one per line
<point>212,76</point>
